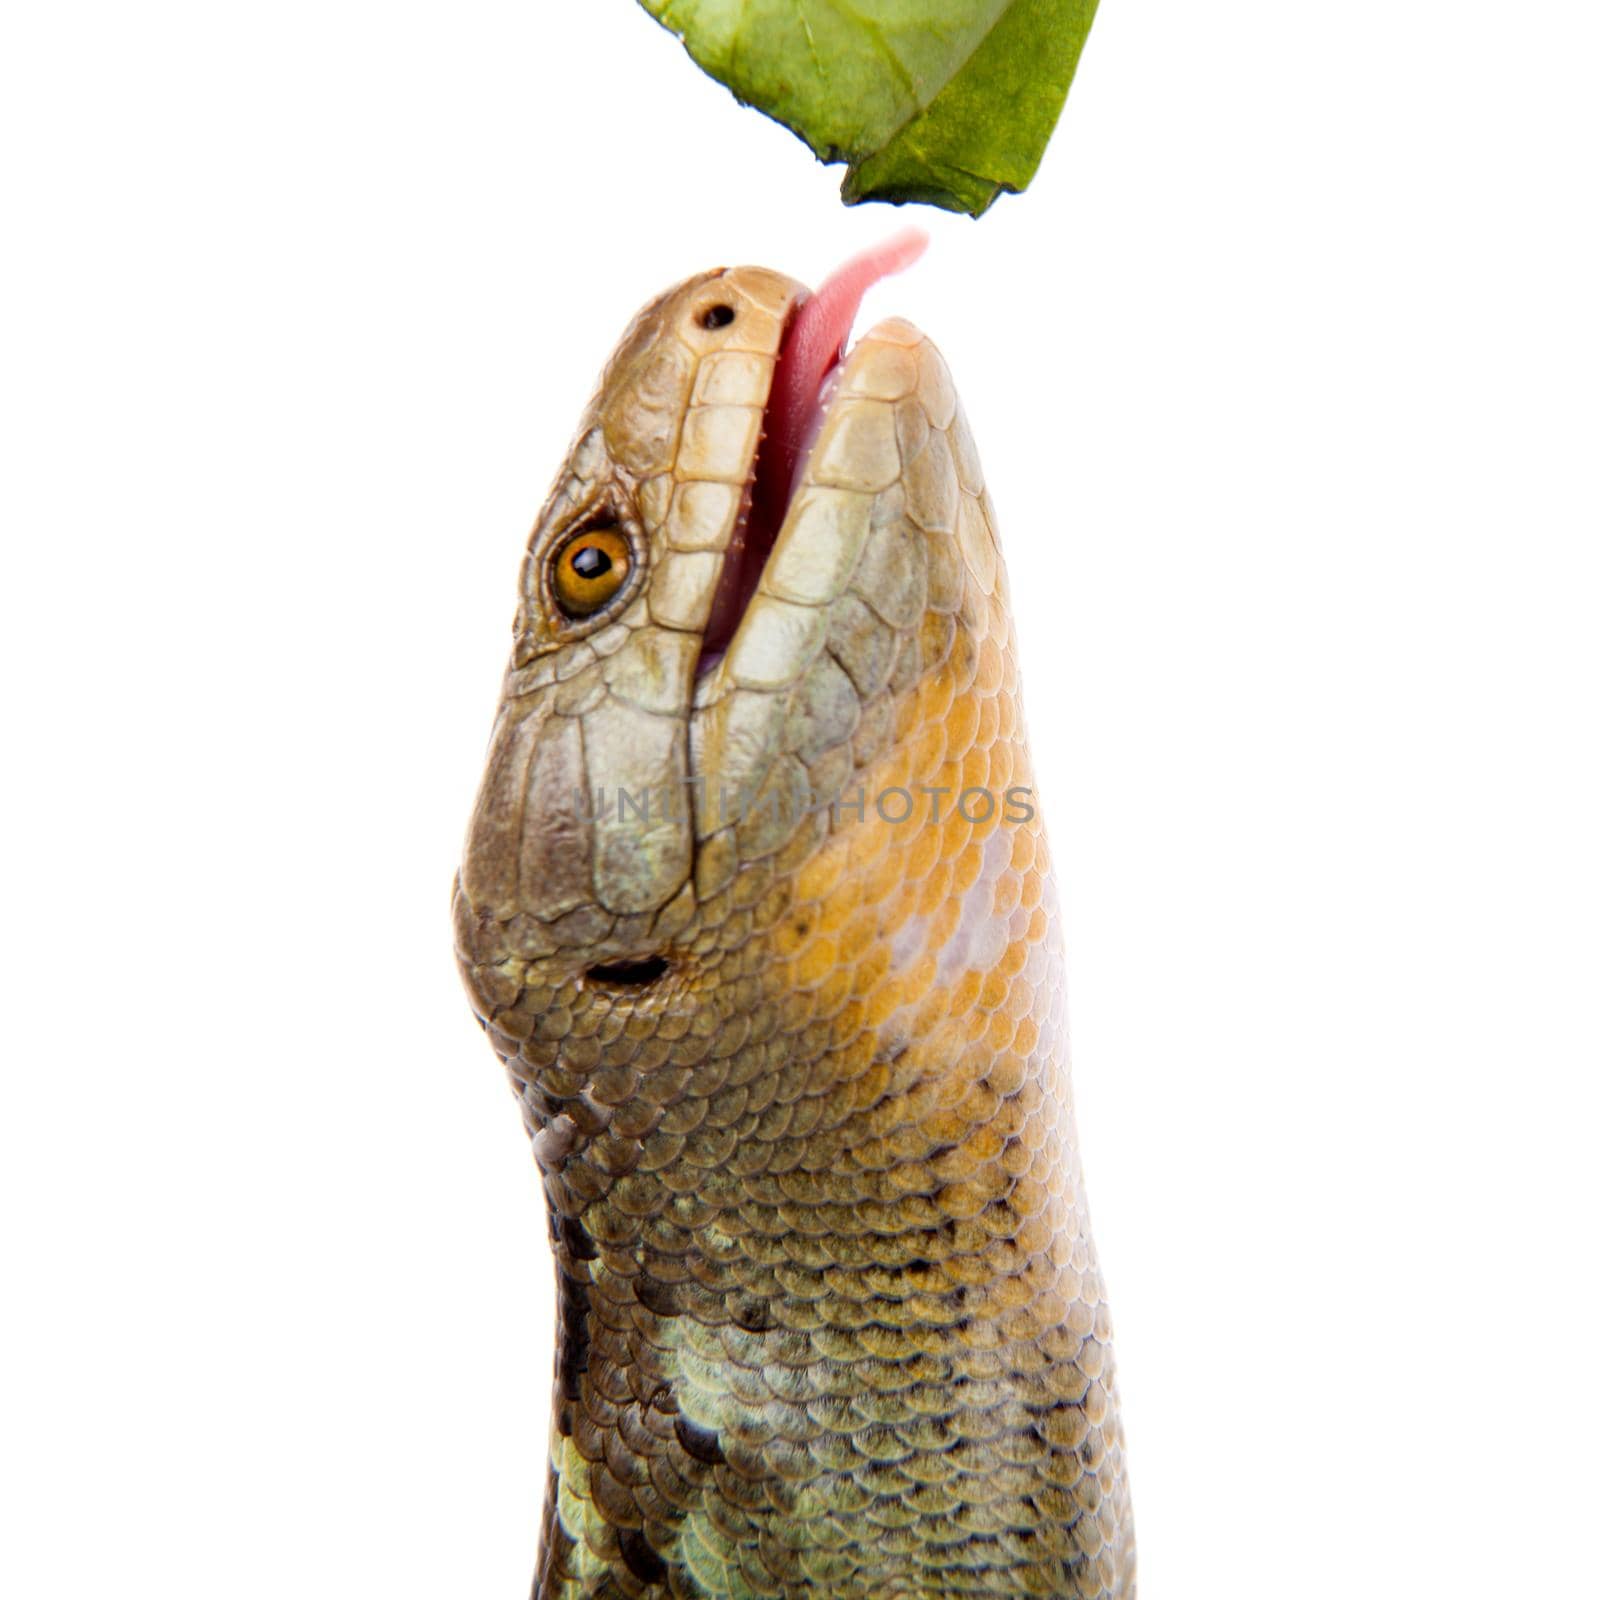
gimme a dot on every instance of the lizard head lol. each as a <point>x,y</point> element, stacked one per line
<point>763,566</point>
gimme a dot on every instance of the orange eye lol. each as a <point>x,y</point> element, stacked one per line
<point>589,570</point>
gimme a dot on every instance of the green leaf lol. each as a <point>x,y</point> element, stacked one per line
<point>950,104</point>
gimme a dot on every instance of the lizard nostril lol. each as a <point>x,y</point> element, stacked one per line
<point>716,317</point>
<point>628,974</point>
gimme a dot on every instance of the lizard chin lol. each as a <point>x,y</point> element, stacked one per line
<point>804,382</point>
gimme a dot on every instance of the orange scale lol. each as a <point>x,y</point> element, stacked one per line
<point>1032,891</point>
<point>976,1106</point>
<point>968,866</point>
<point>1092,1359</point>
<point>922,852</point>
<point>815,963</point>
<point>934,891</point>
<point>954,831</point>
<point>893,916</point>
<point>946,1098</point>
<point>946,919</point>
<point>835,995</point>
<point>963,660</point>
<point>1032,1135</point>
<point>926,753</point>
<point>734,934</point>
<point>1010,965</point>
<point>1042,845</point>
<point>1019,994</point>
<point>881,871</point>
<point>1005,1075</point>
<point>1069,1283</point>
<point>1033,1237</point>
<point>856,934</point>
<point>913,1086</point>
<point>1030,1100</point>
<point>992,673</point>
<point>1007,888</point>
<point>819,879</point>
<point>1096,1405</point>
<point>932,1010</point>
<point>964,994</point>
<point>935,695</point>
<point>799,1009</point>
<point>989,721</point>
<point>975,771</point>
<point>872,970</point>
<point>754,888</point>
<point>855,1061</point>
<point>992,996</point>
<point>1001,1027</point>
<point>963,1163</point>
<point>906,719</point>
<point>803,842</point>
<point>1003,765</point>
<point>1024,848</point>
<point>876,1152</point>
<point>946,1127</point>
<point>861,843</point>
<point>961,726</point>
<point>1015,1159</point>
<point>850,1019</point>
<point>963,1199</point>
<point>1026,1039</point>
<point>895,769</point>
<point>880,1001</point>
<point>1007,1294</point>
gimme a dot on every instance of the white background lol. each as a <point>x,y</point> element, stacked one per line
<point>1285,376</point>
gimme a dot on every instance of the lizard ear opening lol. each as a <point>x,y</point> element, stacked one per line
<point>628,974</point>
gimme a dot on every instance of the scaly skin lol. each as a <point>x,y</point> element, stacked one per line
<point>831,1323</point>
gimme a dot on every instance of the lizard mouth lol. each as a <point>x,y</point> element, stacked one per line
<point>804,380</point>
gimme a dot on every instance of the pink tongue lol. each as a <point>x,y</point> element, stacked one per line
<point>816,338</point>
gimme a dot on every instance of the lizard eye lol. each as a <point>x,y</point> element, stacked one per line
<point>589,570</point>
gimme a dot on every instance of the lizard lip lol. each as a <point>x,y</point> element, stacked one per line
<point>755,532</point>
<point>803,384</point>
